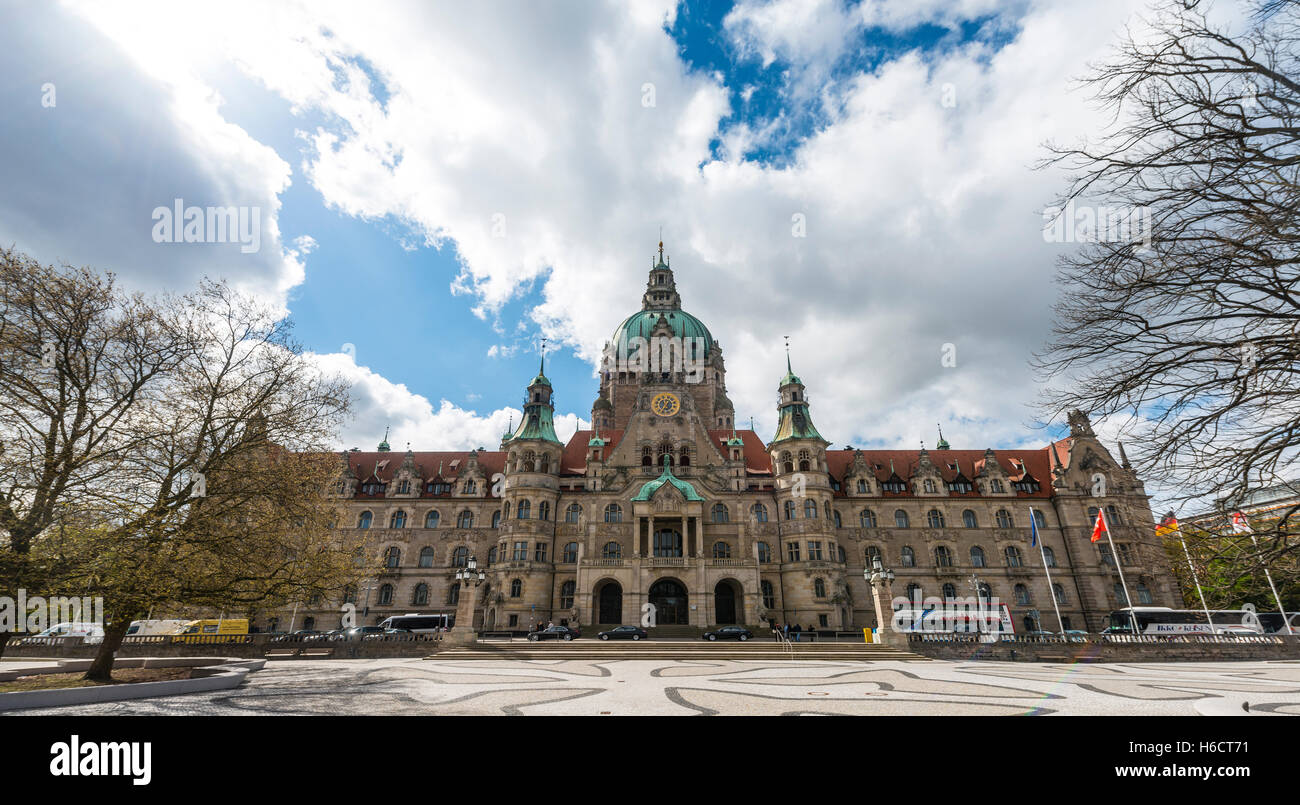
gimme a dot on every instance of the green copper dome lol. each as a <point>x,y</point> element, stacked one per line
<point>683,325</point>
<point>667,477</point>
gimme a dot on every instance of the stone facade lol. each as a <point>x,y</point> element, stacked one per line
<point>665,502</point>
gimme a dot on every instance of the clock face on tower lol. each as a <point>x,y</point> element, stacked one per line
<point>665,404</point>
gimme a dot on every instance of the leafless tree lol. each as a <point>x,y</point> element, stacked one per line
<point>1186,327</point>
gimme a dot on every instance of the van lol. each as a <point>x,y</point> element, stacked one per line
<point>213,630</point>
<point>156,627</point>
<point>88,632</point>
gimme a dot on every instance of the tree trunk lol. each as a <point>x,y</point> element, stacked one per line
<point>101,670</point>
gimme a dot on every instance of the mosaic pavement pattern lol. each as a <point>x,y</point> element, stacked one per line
<point>674,687</point>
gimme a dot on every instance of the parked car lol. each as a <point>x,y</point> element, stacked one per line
<point>555,633</point>
<point>363,632</point>
<point>624,633</point>
<point>729,633</point>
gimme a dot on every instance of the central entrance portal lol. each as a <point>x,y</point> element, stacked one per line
<point>669,598</point>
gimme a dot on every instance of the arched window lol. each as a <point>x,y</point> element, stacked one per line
<point>1040,519</point>
<point>525,510</point>
<point>787,464</point>
<point>810,509</point>
<point>426,556</point>
<point>769,595</point>
<point>431,519</point>
<point>496,519</point>
<point>828,510</point>
<point>867,518</point>
<point>1050,556</point>
<point>530,461</point>
<point>544,510</point>
<point>397,520</point>
<point>492,556</point>
<point>421,596</point>
<point>819,588</point>
<point>460,557</point>
<point>804,463</point>
<point>789,510</point>
<point>516,588</point>
<point>721,550</point>
<point>900,519</point>
<point>566,594</point>
<point>465,519</point>
<point>573,513</point>
<point>949,591</point>
<point>873,553</point>
<point>1112,516</point>
<point>764,552</point>
<point>1022,594</point>
<point>1013,556</point>
<point>613,513</point>
<point>928,485</point>
<point>1143,593</point>
<point>1059,591</point>
<point>839,552</point>
<point>545,463</point>
<point>759,512</point>
<point>977,556</point>
<point>646,459</point>
<point>1092,514</point>
<point>570,553</point>
<point>386,595</point>
<point>935,518</point>
<point>914,592</point>
<point>1004,519</point>
<point>968,519</point>
<point>720,513</point>
<point>392,557</point>
<point>1119,595</point>
<point>862,487</point>
<point>453,594</point>
<point>364,520</point>
<point>835,515</point>
<point>907,556</point>
<point>685,454</point>
<point>612,550</point>
<point>984,590</point>
<point>943,556</point>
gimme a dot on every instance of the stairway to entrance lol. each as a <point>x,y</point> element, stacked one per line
<point>753,650</point>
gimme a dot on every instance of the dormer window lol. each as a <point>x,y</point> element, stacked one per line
<point>403,487</point>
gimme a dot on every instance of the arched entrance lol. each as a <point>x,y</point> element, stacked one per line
<point>725,598</point>
<point>609,603</point>
<point>670,601</point>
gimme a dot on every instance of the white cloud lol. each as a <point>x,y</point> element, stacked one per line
<point>526,143</point>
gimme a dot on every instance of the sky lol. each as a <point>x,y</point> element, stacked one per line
<point>439,187</point>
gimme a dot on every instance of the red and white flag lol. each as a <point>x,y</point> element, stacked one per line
<point>1099,527</point>
<point>1240,524</point>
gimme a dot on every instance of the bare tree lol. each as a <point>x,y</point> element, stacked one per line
<point>1187,325</point>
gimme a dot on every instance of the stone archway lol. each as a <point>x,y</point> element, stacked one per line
<point>609,603</point>
<point>671,602</point>
<point>728,598</point>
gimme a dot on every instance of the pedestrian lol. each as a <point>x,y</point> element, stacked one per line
<point>796,629</point>
<point>786,630</point>
<point>776,631</point>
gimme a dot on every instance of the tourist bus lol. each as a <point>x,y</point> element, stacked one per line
<point>955,617</point>
<point>420,623</point>
<point>1167,621</point>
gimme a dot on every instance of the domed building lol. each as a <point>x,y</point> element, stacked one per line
<point>666,502</point>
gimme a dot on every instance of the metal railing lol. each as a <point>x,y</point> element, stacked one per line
<point>1102,639</point>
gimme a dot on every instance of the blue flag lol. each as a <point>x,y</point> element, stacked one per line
<point>1033,529</point>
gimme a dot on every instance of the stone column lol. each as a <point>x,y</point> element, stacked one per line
<point>462,634</point>
<point>882,591</point>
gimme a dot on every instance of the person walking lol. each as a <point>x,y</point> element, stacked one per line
<point>796,629</point>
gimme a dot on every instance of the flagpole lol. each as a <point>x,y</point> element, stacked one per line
<point>1178,529</point>
<point>1033,525</point>
<point>1132,616</point>
<point>1281,609</point>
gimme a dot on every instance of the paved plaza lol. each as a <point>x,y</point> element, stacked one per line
<point>736,687</point>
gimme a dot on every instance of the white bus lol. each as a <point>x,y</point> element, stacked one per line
<point>420,624</point>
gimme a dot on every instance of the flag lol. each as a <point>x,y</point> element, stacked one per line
<point>1240,524</point>
<point>1033,528</point>
<point>1169,525</point>
<point>1099,527</point>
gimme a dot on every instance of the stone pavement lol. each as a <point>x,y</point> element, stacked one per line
<point>733,687</point>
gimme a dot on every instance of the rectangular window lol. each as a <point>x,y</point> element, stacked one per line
<point>822,622</point>
<point>539,555</point>
<point>514,620</point>
<point>521,552</point>
<point>792,551</point>
<point>814,549</point>
<point>1125,552</point>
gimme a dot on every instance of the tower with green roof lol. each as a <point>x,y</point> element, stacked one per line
<point>799,458</point>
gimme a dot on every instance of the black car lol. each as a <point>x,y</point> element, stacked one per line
<point>624,633</point>
<point>555,633</point>
<point>729,633</point>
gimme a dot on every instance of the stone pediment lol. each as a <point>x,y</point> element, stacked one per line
<point>668,499</point>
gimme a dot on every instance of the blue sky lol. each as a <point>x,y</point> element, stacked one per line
<point>384,143</point>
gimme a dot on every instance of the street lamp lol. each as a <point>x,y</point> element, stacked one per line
<point>877,572</point>
<point>470,573</point>
<point>470,577</point>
